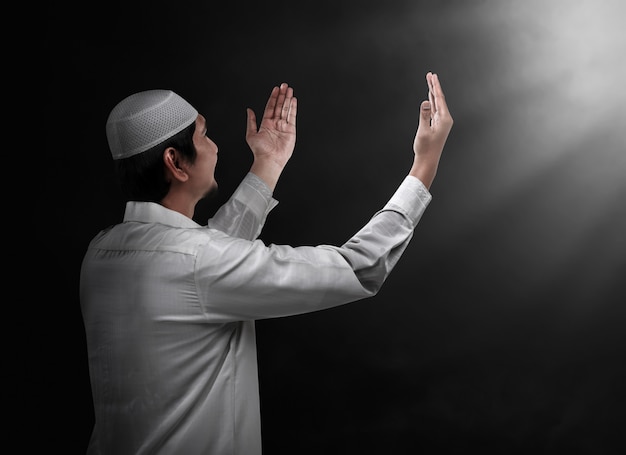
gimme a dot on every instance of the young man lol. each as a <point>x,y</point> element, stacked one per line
<point>169,306</point>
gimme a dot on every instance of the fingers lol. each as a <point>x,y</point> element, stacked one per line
<point>271,103</point>
<point>281,110</point>
<point>431,91</point>
<point>284,103</point>
<point>293,111</point>
<point>281,104</point>
<point>435,94</point>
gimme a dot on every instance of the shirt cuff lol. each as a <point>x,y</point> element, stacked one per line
<point>411,198</point>
<point>256,195</point>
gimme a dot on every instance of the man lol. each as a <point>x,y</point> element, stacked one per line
<point>169,306</point>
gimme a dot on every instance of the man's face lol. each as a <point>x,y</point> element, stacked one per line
<point>203,170</point>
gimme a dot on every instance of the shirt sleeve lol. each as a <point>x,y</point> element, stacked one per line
<point>241,280</point>
<point>374,251</point>
<point>244,214</point>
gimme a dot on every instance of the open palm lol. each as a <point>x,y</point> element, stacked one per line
<point>275,138</point>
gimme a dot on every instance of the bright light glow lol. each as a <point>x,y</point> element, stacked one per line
<point>547,143</point>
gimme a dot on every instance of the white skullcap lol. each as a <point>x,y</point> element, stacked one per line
<point>145,119</point>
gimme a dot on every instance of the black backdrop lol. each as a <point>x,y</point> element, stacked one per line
<point>501,329</point>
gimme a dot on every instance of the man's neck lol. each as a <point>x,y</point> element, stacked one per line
<point>179,203</point>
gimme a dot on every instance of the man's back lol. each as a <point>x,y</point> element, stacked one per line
<point>165,377</point>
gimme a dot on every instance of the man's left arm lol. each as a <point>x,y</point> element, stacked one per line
<point>244,214</point>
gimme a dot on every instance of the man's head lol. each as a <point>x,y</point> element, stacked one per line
<point>145,119</point>
<point>155,137</point>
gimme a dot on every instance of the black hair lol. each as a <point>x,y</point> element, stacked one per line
<point>142,176</point>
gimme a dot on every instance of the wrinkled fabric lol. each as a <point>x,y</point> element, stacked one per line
<point>169,309</point>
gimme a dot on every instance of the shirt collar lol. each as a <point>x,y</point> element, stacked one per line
<point>151,212</point>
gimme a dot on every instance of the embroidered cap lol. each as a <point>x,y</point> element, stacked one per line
<point>145,119</point>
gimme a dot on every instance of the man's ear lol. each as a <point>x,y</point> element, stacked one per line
<point>174,165</point>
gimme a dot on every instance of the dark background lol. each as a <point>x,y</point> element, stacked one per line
<point>501,330</point>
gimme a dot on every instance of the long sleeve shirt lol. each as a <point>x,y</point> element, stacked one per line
<point>169,309</point>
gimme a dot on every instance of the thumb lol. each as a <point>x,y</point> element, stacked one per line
<point>251,126</point>
<point>425,114</point>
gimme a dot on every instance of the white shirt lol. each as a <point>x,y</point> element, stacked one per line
<point>169,309</point>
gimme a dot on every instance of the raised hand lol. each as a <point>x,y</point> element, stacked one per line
<point>435,123</point>
<point>272,143</point>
